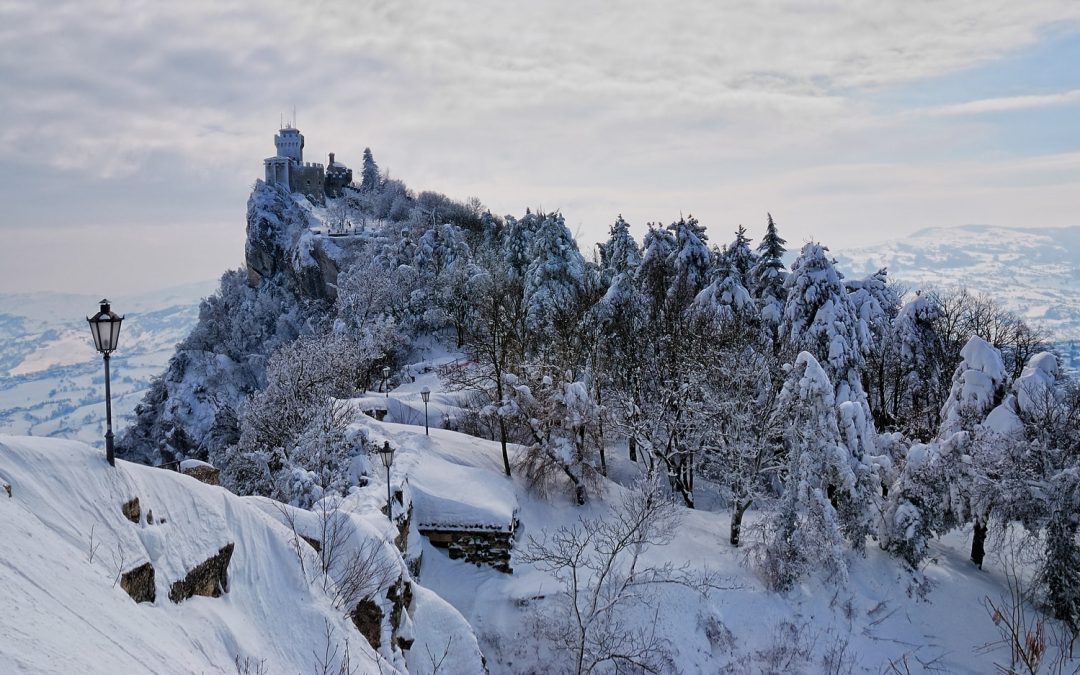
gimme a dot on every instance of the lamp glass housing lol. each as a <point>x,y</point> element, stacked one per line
<point>387,454</point>
<point>425,394</point>
<point>105,327</point>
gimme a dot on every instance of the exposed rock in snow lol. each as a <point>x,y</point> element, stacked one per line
<point>72,559</point>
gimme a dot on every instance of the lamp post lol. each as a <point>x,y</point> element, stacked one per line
<point>105,327</point>
<point>385,377</point>
<point>425,394</point>
<point>387,455</point>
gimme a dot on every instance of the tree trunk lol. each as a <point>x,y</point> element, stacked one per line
<point>502,440</point>
<point>631,443</point>
<point>603,451</point>
<point>736,520</point>
<point>978,543</point>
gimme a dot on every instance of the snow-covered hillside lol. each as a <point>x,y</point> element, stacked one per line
<point>51,379</point>
<point>936,621</point>
<point>67,543</point>
<point>1034,272</point>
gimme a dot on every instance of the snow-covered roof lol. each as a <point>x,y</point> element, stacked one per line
<point>453,497</point>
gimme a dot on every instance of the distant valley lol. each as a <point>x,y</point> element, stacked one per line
<point>52,380</point>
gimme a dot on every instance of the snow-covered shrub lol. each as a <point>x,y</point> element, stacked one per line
<point>559,418</point>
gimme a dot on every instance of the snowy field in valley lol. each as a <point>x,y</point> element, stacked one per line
<point>52,380</point>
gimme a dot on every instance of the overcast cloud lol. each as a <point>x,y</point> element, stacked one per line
<point>137,128</point>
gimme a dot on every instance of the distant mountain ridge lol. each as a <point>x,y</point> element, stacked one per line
<point>1033,271</point>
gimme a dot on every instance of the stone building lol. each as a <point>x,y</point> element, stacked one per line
<point>288,168</point>
<point>337,176</point>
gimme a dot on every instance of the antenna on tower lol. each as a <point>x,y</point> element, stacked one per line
<point>281,120</point>
<point>294,115</point>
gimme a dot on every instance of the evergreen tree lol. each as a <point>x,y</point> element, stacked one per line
<point>554,280</point>
<point>690,262</point>
<point>738,259</point>
<point>820,318</point>
<point>767,275</point>
<point>876,305</point>
<point>805,531</point>
<point>619,253</point>
<point>655,274</point>
<point>369,175</point>
<point>911,398</point>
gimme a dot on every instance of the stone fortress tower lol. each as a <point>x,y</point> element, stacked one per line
<point>288,169</point>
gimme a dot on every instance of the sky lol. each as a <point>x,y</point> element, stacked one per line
<point>132,131</point>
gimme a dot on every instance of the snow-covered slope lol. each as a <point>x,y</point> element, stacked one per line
<point>65,541</point>
<point>51,379</point>
<point>1034,272</point>
<point>883,614</point>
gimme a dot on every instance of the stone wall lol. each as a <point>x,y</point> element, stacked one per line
<point>308,180</point>
<point>480,547</point>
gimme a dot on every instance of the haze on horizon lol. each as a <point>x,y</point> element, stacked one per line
<point>136,129</point>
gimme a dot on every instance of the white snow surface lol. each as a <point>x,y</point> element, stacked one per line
<point>452,496</point>
<point>877,615</point>
<point>65,538</point>
<point>65,614</point>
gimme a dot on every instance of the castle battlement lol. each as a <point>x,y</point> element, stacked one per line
<point>288,169</point>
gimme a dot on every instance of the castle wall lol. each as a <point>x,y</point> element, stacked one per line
<point>308,179</point>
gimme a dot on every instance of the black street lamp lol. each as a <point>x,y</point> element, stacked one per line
<point>105,327</point>
<point>425,394</point>
<point>385,377</point>
<point>387,455</point>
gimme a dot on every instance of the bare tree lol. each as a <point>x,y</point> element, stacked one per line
<point>598,563</point>
<point>1036,643</point>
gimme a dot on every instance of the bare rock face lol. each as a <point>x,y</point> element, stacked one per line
<point>367,617</point>
<point>132,511</point>
<point>139,583</point>
<point>209,578</point>
<point>279,243</point>
<point>400,595</point>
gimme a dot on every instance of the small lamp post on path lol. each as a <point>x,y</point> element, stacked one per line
<point>387,455</point>
<point>425,394</point>
<point>385,377</point>
<point>105,327</point>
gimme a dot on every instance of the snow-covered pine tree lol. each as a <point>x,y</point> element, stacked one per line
<point>620,253</point>
<point>370,180</point>
<point>767,275</point>
<point>726,308</point>
<point>911,401</point>
<point>978,386</point>
<point>738,259</point>
<point>656,271</point>
<point>805,532</point>
<point>819,317</point>
<point>554,280</point>
<point>876,305</point>
<point>690,262</point>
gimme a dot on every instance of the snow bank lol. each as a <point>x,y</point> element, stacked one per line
<point>66,541</point>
